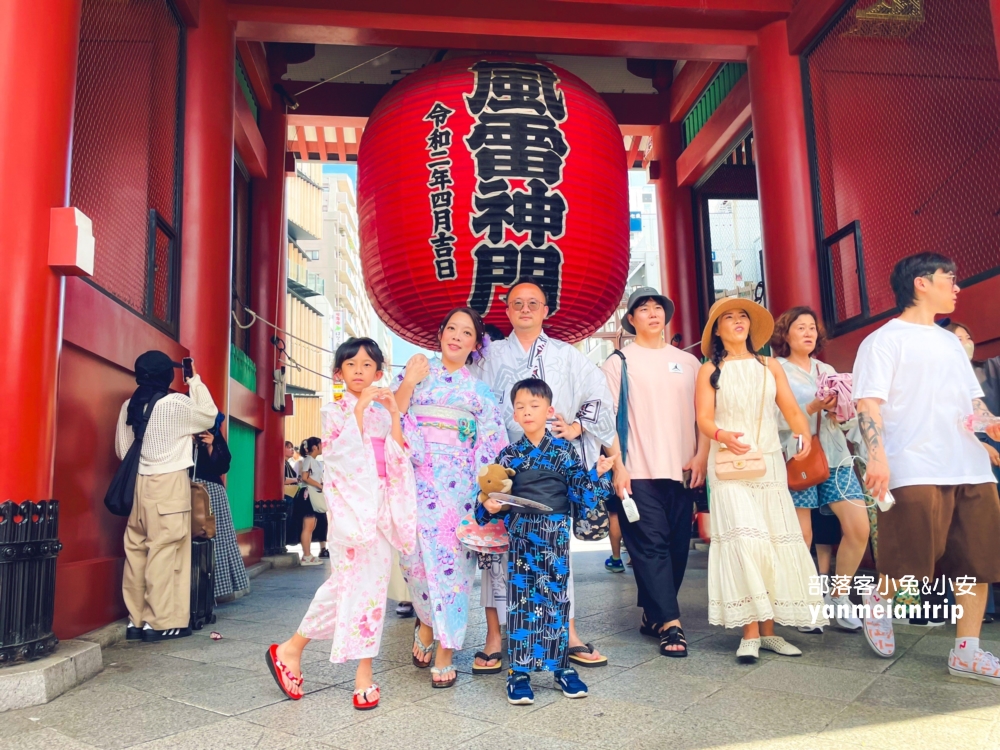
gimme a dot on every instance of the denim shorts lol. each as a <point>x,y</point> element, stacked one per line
<point>843,484</point>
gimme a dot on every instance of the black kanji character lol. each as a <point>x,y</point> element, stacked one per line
<point>494,266</point>
<point>544,266</point>
<point>503,85</point>
<point>439,114</point>
<point>493,213</point>
<point>518,146</point>
<point>444,269</point>
<point>539,212</point>
<point>442,199</point>
<point>443,244</point>
<point>442,220</point>
<point>440,178</point>
<point>438,139</point>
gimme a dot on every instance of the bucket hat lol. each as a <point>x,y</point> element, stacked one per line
<point>761,322</point>
<point>642,294</point>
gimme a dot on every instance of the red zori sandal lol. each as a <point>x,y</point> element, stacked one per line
<point>285,679</point>
<point>369,704</point>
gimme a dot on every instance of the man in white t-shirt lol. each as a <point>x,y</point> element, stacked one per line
<point>914,385</point>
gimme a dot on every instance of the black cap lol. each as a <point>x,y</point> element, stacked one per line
<point>154,366</point>
<point>639,296</point>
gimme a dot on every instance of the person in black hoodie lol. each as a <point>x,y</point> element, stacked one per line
<point>213,461</point>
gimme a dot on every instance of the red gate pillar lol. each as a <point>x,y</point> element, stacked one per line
<point>268,280</point>
<point>206,260</point>
<point>676,227</point>
<point>783,183</point>
<point>39,40</point>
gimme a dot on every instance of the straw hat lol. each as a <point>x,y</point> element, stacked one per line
<point>761,322</point>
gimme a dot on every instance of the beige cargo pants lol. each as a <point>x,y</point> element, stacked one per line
<point>156,584</point>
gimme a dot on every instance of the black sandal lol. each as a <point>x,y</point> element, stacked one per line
<point>573,654</point>
<point>673,636</point>
<point>485,669</point>
<point>650,629</point>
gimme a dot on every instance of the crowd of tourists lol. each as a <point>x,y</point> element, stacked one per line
<point>489,457</point>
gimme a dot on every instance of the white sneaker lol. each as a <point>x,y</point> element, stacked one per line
<point>848,622</point>
<point>310,560</point>
<point>878,631</point>
<point>811,629</point>
<point>984,666</point>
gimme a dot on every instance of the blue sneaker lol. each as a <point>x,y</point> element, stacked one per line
<point>519,690</point>
<point>570,683</point>
<point>614,565</point>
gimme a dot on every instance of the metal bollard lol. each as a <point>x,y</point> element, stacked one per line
<point>29,545</point>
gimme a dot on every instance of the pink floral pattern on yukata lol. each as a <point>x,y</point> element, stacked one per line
<point>369,516</point>
<point>441,571</point>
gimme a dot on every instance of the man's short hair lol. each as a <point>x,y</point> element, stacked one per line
<point>519,282</point>
<point>534,386</point>
<point>913,267</point>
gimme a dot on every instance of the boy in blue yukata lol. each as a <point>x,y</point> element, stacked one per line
<point>549,471</point>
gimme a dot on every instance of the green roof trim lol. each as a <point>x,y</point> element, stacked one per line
<point>727,77</point>
<point>244,84</point>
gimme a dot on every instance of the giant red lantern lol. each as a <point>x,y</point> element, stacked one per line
<point>475,172</point>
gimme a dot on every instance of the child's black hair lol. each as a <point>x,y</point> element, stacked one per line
<point>350,348</point>
<point>534,386</point>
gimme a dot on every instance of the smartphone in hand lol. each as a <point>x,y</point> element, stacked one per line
<point>187,368</point>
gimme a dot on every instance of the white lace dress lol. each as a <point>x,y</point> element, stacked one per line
<point>758,565</point>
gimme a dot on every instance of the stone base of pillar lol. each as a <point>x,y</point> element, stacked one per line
<point>37,682</point>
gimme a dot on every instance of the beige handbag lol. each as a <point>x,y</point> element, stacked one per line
<point>729,466</point>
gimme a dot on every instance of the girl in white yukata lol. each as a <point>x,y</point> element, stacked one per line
<point>371,496</point>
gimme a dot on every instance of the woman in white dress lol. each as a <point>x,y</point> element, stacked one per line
<point>758,565</point>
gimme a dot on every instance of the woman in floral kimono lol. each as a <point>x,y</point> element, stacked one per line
<point>370,493</point>
<point>460,430</point>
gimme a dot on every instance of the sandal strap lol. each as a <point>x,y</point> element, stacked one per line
<point>287,673</point>
<point>487,657</point>
<point>420,644</point>
<point>673,636</point>
<point>364,693</point>
<point>441,670</point>
<point>587,648</point>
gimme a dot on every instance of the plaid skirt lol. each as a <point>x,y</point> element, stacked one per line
<point>230,573</point>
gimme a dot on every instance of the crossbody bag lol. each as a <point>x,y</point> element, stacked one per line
<point>750,465</point>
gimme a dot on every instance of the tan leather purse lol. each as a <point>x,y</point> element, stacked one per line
<point>202,518</point>
<point>730,467</point>
<point>813,469</point>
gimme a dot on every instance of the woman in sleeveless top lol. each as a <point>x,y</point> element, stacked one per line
<point>758,565</point>
<point>459,430</point>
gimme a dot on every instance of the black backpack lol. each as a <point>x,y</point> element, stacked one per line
<point>118,499</point>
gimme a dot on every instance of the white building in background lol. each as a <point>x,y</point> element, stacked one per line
<point>644,260</point>
<point>736,247</point>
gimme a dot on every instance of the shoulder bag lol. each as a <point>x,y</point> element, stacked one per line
<point>202,518</point>
<point>621,418</point>
<point>730,467</point>
<point>812,470</point>
<point>121,492</point>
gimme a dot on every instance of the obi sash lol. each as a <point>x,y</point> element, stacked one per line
<point>378,445</point>
<point>446,425</point>
<point>540,485</point>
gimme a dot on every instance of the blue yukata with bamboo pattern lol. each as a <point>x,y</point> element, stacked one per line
<point>538,564</point>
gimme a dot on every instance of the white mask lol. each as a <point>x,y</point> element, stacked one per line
<point>969,347</point>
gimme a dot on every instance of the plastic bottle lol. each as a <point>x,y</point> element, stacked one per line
<point>979,423</point>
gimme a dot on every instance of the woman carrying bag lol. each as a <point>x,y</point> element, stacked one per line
<point>798,335</point>
<point>758,565</point>
<point>310,504</point>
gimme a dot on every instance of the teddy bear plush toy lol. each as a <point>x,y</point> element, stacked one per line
<point>494,478</point>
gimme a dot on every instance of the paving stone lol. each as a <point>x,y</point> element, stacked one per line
<point>805,679</point>
<point>409,727</point>
<point>231,734</point>
<point>44,739</point>
<point>130,726</point>
<point>901,729</point>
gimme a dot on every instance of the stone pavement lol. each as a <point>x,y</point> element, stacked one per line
<point>198,693</point>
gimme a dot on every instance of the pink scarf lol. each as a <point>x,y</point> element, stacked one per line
<point>841,385</point>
